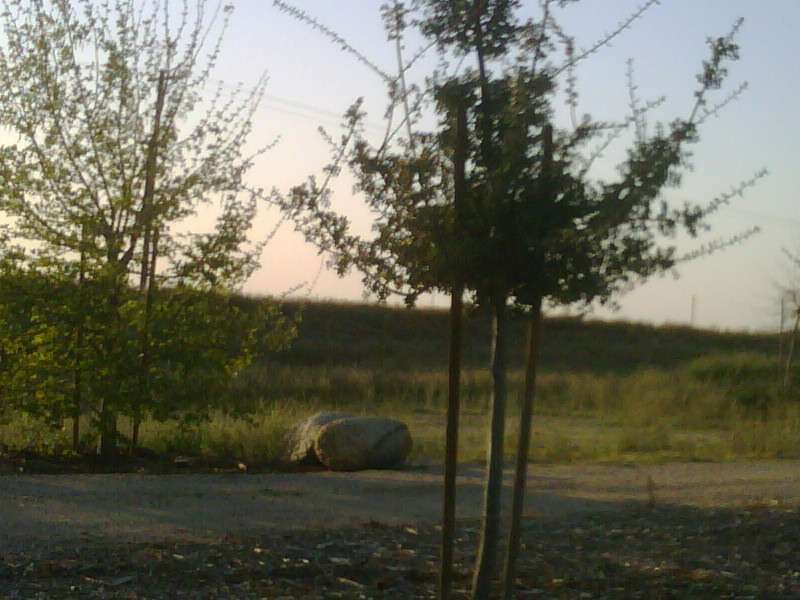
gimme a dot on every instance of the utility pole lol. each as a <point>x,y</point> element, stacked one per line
<point>150,178</point>
<point>693,310</point>
<point>149,246</point>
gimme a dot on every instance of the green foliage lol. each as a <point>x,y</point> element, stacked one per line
<point>459,25</point>
<point>350,335</point>
<point>753,381</point>
<point>530,227</point>
<point>204,342</point>
<point>199,342</point>
<point>105,310</point>
<point>645,415</point>
<point>735,368</point>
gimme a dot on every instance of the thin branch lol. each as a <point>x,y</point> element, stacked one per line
<point>707,113</point>
<point>637,114</point>
<point>398,42</point>
<point>717,245</point>
<point>304,17</point>
<point>736,191</point>
<point>609,37</point>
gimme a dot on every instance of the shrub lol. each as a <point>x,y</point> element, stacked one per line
<point>752,381</point>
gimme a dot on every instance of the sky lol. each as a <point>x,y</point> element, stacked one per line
<point>312,82</point>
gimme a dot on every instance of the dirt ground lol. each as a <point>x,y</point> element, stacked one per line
<point>38,510</point>
<point>703,531</point>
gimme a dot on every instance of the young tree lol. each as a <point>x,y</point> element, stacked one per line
<point>554,232</point>
<point>430,176</point>
<point>534,225</point>
<point>115,146</point>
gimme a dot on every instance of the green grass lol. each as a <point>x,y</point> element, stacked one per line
<point>607,392</point>
<point>645,416</point>
<point>343,334</point>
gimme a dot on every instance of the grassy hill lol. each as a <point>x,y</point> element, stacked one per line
<point>368,335</point>
<point>607,391</point>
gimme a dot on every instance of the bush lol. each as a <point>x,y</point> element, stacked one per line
<point>752,381</point>
<point>734,369</point>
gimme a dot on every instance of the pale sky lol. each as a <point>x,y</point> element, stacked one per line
<point>312,82</point>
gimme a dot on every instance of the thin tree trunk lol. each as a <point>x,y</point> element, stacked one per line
<point>526,413</point>
<point>108,431</point>
<point>148,314</point>
<point>780,331</point>
<point>108,414</point>
<point>486,565</point>
<point>77,389</point>
<point>77,393</point>
<point>520,476</point>
<point>451,451</point>
<point>787,376</point>
<point>148,263</point>
<point>454,384</point>
<point>76,414</point>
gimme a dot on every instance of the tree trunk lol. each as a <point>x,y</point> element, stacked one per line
<point>137,423</point>
<point>76,425</point>
<point>108,432</point>
<point>787,375</point>
<point>486,565</point>
<point>451,452</point>
<point>526,413</point>
<point>780,331</point>
<point>454,384</point>
<point>520,476</point>
<point>148,315</point>
<point>77,389</point>
<point>108,413</point>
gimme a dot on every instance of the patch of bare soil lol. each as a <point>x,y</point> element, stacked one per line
<point>662,552</point>
<point>592,531</point>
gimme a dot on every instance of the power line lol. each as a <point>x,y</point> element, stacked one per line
<point>317,111</point>
<point>321,115</point>
<point>302,106</point>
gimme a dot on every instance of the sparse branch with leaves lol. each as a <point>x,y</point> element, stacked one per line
<point>536,227</point>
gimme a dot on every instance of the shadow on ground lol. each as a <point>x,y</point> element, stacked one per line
<point>627,550</point>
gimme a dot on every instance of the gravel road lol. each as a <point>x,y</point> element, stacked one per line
<point>37,510</point>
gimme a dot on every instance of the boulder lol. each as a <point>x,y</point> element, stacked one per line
<point>300,441</point>
<point>351,444</point>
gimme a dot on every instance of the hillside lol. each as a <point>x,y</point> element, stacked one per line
<point>369,335</point>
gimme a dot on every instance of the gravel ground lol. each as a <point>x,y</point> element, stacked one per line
<point>203,507</point>
<point>667,531</point>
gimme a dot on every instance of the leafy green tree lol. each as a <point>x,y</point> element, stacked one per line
<point>116,146</point>
<point>534,225</point>
<point>544,228</point>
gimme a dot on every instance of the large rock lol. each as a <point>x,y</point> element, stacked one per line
<point>351,444</point>
<point>301,439</point>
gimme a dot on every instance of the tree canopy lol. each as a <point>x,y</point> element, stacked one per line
<point>534,224</point>
<point>115,145</point>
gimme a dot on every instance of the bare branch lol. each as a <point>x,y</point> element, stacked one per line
<point>725,198</point>
<point>622,26</point>
<point>716,245</point>
<point>304,17</point>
